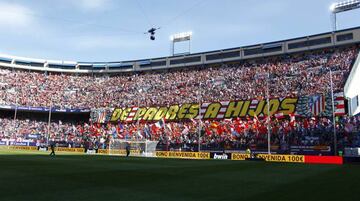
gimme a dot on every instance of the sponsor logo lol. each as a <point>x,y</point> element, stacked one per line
<point>118,151</point>
<point>103,151</point>
<point>33,136</point>
<point>70,149</point>
<point>185,155</point>
<point>282,158</point>
<point>19,143</point>
<point>221,157</point>
<point>239,156</point>
<point>91,151</point>
<point>22,148</point>
<point>43,149</point>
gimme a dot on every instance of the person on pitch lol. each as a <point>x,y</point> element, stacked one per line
<point>52,147</point>
<point>128,147</point>
<point>248,151</point>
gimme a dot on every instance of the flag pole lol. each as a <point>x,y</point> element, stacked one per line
<point>137,123</point>
<point>268,111</point>
<point>49,122</point>
<point>199,129</point>
<point>15,114</point>
<point>333,112</point>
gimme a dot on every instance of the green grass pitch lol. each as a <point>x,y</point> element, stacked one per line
<point>34,176</point>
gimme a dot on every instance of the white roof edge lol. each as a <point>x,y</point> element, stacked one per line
<point>23,58</point>
<point>37,60</point>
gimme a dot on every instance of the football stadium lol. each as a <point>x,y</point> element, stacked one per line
<point>273,120</point>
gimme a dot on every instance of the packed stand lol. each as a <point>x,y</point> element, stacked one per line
<point>236,134</point>
<point>290,75</point>
<point>36,133</point>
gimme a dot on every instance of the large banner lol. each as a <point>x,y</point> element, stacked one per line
<point>307,106</point>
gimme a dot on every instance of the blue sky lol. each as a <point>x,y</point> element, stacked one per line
<point>112,30</point>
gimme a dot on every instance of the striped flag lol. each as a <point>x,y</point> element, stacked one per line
<point>339,102</point>
<point>160,123</point>
<point>101,116</point>
<point>317,104</point>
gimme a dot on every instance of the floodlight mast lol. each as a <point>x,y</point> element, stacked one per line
<point>338,8</point>
<point>342,7</point>
<point>180,37</point>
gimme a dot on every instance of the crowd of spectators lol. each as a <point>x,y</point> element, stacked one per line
<point>36,131</point>
<point>235,134</point>
<point>289,75</point>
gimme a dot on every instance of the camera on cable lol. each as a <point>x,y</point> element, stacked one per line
<point>152,33</point>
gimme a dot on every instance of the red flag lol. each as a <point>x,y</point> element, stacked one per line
<point>219,130</point>
<point>208,131</point>
<point>154,129</point>
<point>306,123</point>
<point>214,124</point>
<point>238,128</point>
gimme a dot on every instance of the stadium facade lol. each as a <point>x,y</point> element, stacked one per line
<point>301,44</point>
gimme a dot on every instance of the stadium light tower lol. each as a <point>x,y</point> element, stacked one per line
<point>181,37</point>
<point>342,7</point>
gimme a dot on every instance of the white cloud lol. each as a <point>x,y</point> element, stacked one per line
<point>15,15</point>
